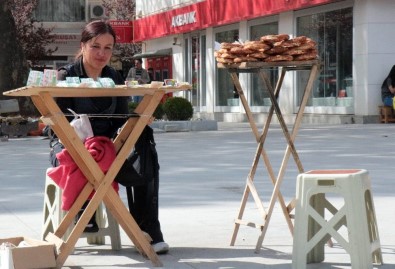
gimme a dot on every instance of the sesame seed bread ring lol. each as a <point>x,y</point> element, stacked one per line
<point>224,60</point>
<point>223,50</point>
<point>279,58</point>
<point>229,55</point>
<point>248,51</point>
<point>295,51</point>
<point>244,59</point>
<point>287,43</point>
<point>237,50</point>
<point>274,38</point>
<point>276,50</point>
<point>258,46</point>
<point>312,55</point>
<point>226,45</point>
<point>300,39</point>
<point>258,55</point>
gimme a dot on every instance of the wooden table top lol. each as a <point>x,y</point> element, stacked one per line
<point>261,64</point>
<point>92,92</point>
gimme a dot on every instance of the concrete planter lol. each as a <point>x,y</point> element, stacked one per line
<point>185,126</point>
<point>17,129</point>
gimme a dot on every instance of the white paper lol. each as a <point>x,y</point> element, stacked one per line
<point>6,261</point>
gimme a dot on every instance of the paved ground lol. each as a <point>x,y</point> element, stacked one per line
<point>202,180</point>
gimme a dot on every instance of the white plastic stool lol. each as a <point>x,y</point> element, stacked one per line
<point>53,215</point>
<point>357,214</point>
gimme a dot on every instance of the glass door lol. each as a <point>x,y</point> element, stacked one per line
<point>195,71</point>
<point>225,91</point>
<point>259,92</point>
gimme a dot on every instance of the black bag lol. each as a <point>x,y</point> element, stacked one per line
<point>142,165</point>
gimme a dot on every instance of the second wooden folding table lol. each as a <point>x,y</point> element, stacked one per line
<point>274,92</point>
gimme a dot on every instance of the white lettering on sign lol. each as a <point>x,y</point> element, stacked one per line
<point>120,23</point>
<point>65,37</point>
<point>183,19</point>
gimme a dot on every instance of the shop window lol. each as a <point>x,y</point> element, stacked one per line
<point>60,11</point>
<point>333,33</point>
<point>226,93</point>
<point>259,92</point>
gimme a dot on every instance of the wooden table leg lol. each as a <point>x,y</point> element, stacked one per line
<point>298,120</point>
<point>250,187</point>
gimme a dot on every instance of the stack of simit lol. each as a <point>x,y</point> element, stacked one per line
<point>269,48</point>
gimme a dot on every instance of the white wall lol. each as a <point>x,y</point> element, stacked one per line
<point>210,71</point>
<point>287,95</point>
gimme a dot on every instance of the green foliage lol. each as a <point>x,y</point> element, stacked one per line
<point>132,106</point>
<point>178,108</point>
<point>158,113</point>
<point>31,34</point>
<point>123,10</point>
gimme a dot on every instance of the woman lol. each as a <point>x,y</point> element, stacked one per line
<point>97,44</point>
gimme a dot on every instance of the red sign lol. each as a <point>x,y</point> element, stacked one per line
<point>123,31</point>
<point>211,13</point>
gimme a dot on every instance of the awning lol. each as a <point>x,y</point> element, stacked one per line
<point>155,53</point>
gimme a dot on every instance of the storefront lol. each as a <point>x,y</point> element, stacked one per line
<point>354,64</point>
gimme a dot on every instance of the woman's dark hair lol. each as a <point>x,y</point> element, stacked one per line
<point>95,29</point>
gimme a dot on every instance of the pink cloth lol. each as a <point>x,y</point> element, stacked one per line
<point>70,178</point>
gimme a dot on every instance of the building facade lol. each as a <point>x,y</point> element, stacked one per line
<point>179,38</point>
<point>67,18</point>
<point>354,58</point>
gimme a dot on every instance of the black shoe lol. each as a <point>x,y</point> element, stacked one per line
<point>92,226</point>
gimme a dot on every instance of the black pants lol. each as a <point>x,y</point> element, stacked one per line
<point>143,200</point>
<point>143,205</point>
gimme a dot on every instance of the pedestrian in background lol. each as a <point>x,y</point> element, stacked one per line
<point>388,88</point>
<point>139,74</point>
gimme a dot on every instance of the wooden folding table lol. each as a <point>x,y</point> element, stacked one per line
<point>43,99</point>
<point>259,68</point>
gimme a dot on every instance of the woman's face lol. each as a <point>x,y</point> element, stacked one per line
<point>97,52</point>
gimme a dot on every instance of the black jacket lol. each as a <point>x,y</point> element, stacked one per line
<point>388,81</point>
<point>101,126</point>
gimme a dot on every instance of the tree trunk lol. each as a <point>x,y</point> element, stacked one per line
<point>13,66</point>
